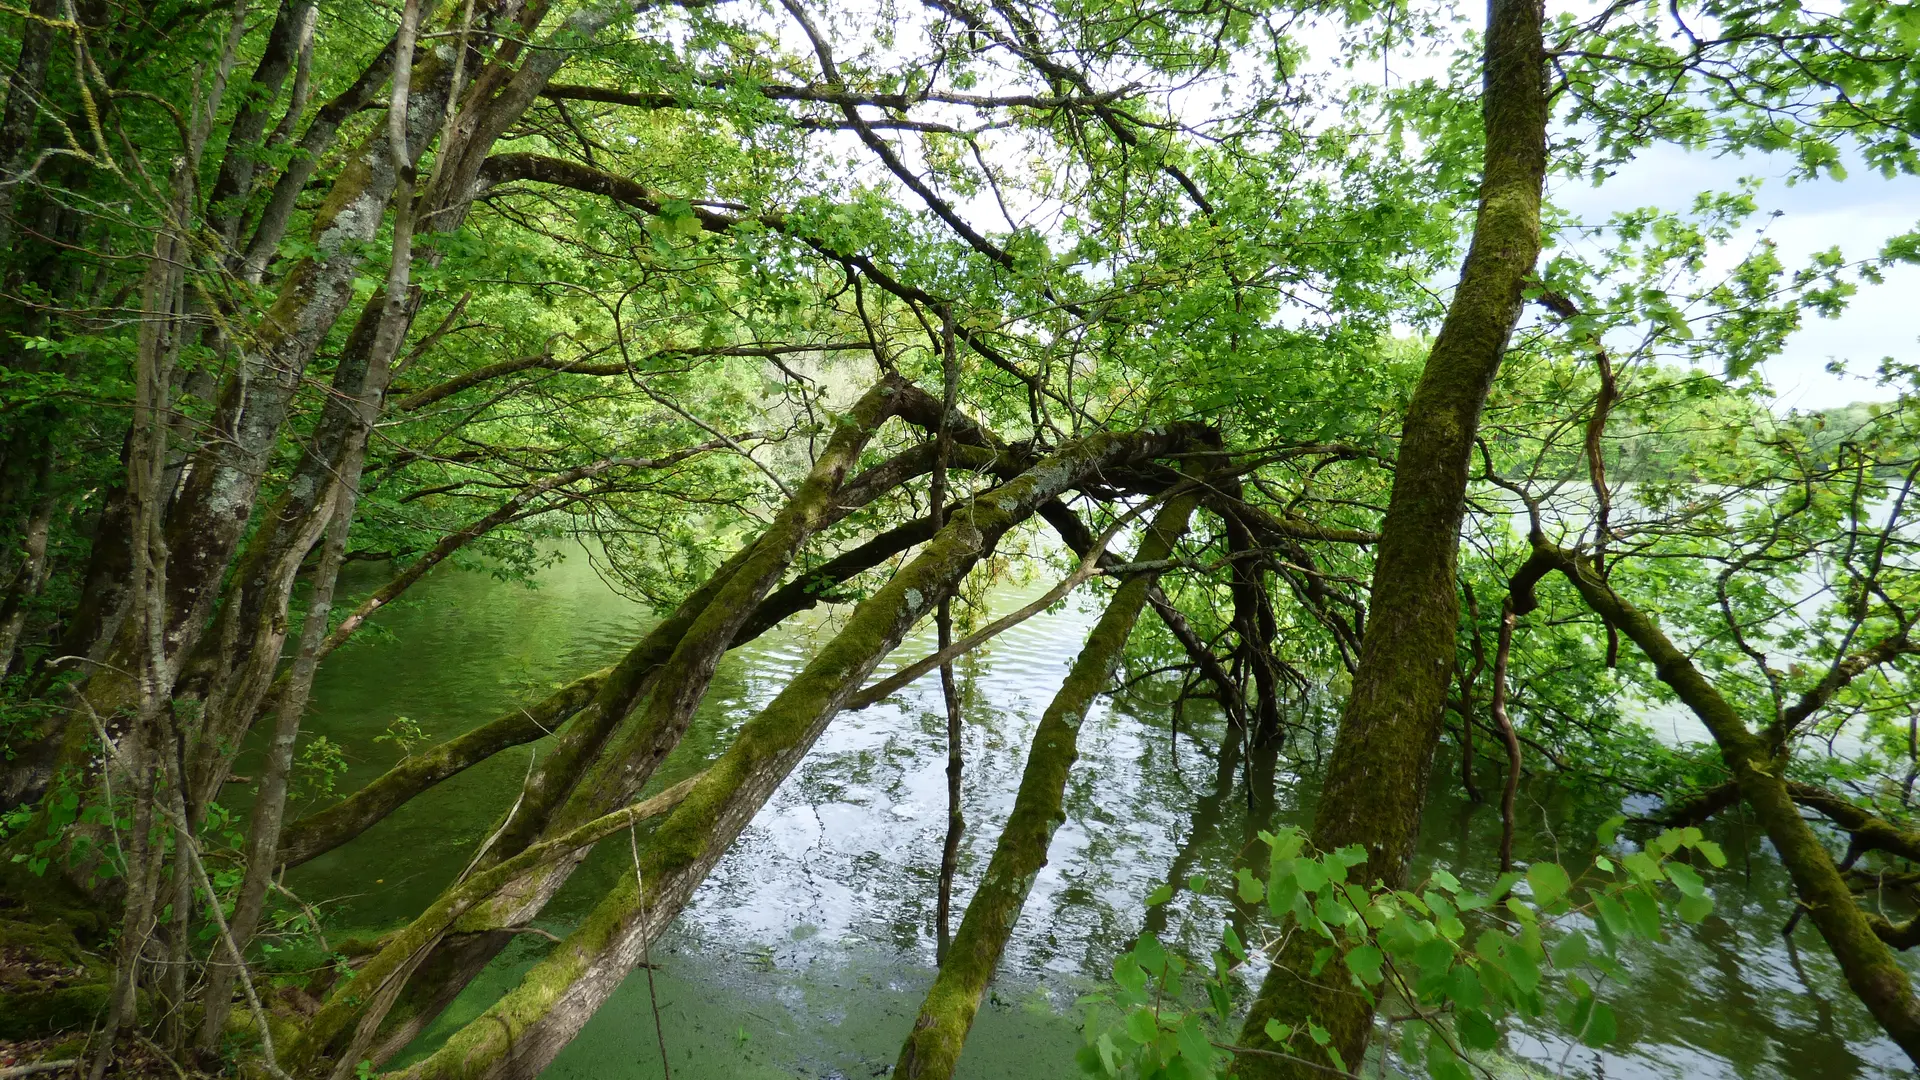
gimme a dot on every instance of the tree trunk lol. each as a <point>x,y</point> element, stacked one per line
<point>30,570</point>
<point>328,828</point>
<point>932,1051</point>
<point>1376,783</point>
<point>1870,967</point>
<point>605,755</point>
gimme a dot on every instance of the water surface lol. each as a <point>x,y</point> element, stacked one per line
<point>807,951</point>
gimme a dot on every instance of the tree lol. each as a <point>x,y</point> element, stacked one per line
<point>715,287</point>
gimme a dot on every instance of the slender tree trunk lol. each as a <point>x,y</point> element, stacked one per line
<point>1502,656</point>
<point>932,1051</point>
<point>263,835</point>
<point>943,633</point>
<point>1376,783</point>
<point>610,748</point>
<point>30,571</point>
<point>218,499</point>
<point>249,125</point>
<point>22,109</point>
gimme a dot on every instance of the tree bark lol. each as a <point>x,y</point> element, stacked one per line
<point>605,754</point>
<point>1870,967</point>
<point>328,828</point>
<point>235,179</point>
<point>610,755</point>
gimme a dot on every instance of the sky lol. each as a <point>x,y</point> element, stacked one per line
<point>1858,214</point>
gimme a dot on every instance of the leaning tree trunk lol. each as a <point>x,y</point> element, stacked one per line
<point>1870,967</point>
<point>932,1051</point>
<point>522,1032</point>
<point>1376,782</point>
<point>608,750</point>
<point>335,824</point>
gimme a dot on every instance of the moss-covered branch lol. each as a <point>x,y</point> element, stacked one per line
<point>1869,966</point>
<point>381,975</point>
<point>328,828</point>
<point>932,1050</point>
<point>331,826</point>
<point>583,745</point>
<point>619,761</point>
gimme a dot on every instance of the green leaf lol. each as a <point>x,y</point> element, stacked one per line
<point>1233,943</point>
<point>1142,1027</point>
<point>1642,866</point>
<point>1251,891</point>
<point>1148,953</point>
<point>1601,1027</point>
<point>1464,988</point>
<point>1434,957</point>
<point>1609,829</point>
<point>1320,958</point>
<point>1278,1031</point>
<point>1695,908</point>
<point>1503,886</point>
<point>1365,962</point>
<point>1611,917</point>
<point>1282,891</point>
<point>1310,874</point>
<point>1713,853</point>
<point>1160,895</point>
<point>1548,881</point>
<point>1643,911</point>
<point>1192,1040</point>
<point>1519,965</point>
<point>1443,1064</point>
<point>1476,1030</point>
<point>1571,952</point>
<point>1686,879</point>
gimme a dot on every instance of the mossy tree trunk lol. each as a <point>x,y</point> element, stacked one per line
<point>612,747</point>
<point>335,824</point>
<point>1376,781</point>
<point>645,700</point>
<point>932,1050</point>
<point>1870,967</point>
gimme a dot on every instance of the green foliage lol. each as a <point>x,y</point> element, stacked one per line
<point>404,733</point>
<point>1451,966</point>
<point>319,766</point>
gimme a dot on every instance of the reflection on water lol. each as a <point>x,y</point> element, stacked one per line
<point>808,949</point>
